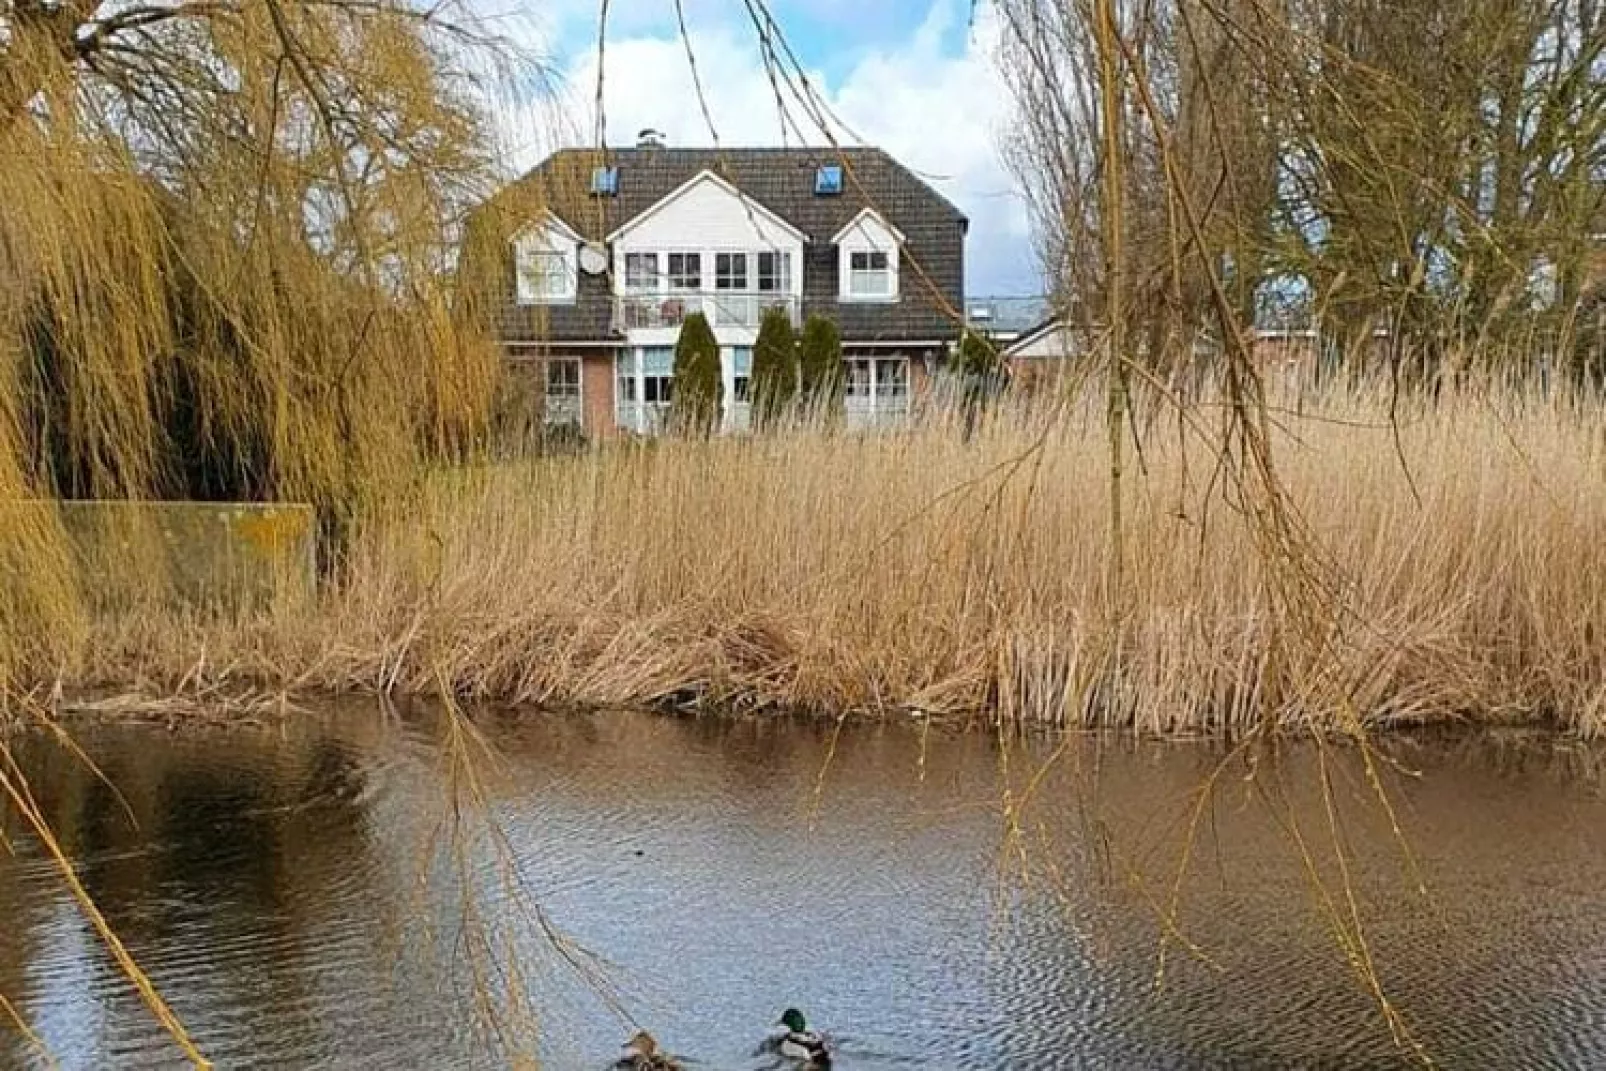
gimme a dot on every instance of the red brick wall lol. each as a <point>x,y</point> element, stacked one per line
<point>596,391</point>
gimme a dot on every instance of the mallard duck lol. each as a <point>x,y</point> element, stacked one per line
<point>642,1054</point>
<point>800,1043</point>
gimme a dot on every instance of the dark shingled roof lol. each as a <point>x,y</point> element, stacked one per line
<point>932,271</point>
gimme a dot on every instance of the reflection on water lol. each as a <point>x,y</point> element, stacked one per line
<point>304,897</point>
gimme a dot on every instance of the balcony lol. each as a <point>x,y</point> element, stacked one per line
<point>730,308</point>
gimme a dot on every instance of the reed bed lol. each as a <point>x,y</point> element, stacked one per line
<point>929,573</point>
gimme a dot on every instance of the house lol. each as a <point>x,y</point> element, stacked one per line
<point>1040,355</point>
<point>1002,320</point>
<point>1047,355</point>
<point>605,252</point>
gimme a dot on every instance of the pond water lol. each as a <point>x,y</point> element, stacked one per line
<point>357,890</point>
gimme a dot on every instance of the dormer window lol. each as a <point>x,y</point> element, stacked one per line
<point>545,264</point>
<point>828,181</point>
<point>543,276</point>
<point>869,274</point>
<point>869,249</point>
<point>604,181</point>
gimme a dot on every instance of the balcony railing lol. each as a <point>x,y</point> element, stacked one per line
<point>652,418</point>
<point>888,410</point>
<point>724,309</point>
<point>643,418</point>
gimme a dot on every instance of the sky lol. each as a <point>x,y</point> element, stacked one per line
<point>916,77</point>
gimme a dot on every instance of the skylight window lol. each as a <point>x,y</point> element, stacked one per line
<point>605,181</point>
<point>828,181</point>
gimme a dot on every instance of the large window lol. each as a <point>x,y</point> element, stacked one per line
<point>775,273</point>
<point>869,274</point>
<point>657,375</point>
<point>644,383</point>
<point>730,271</point>
<point>892,381</point>
<point>858,380</point>
<point>685,271</point>
<point>563,390</point>
<point>641,271</point>
<point>876,389</point>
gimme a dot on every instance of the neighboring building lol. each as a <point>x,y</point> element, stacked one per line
<point>1040,355</point>
<point>1004,319</point>
<point>1045,355</point>
<point>613,249</point>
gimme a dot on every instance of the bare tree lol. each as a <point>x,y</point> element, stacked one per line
<point>1423,175</point>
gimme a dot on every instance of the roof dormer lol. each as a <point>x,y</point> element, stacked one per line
<point>868,251</point>
<point>545,263</point>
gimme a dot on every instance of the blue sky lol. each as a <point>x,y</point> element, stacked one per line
<point>913,76</point>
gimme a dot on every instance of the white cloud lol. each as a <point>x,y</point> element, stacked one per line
<point>941,112</point>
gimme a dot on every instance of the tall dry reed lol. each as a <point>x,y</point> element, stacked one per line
<point>920,571</point>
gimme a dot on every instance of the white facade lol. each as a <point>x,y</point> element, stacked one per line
<point>704,248</point>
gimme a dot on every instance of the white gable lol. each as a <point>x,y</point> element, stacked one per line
<point>709,213</point>
<point>867,258</point>
<point>548,233</point>
<point>868,230</point>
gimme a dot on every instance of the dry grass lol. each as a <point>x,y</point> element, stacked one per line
<point>915,571</point>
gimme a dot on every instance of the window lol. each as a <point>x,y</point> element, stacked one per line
<point>543,275</point>
<point>604,181</point>
<point>828,181</point>
<point>641,271</point>
<point>741,374</point>
<point>869,274</point>
<point>775,273</point>
<point>685,271</point>
<point>657,375</point>
<point>892,379</point>
<point>860,378</point>
<point>625,379</point>
<point>730,271</point>
<point>876,390</point>
<point>644,384</point>
<point>563,390</point>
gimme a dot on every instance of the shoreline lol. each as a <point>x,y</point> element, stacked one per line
<point>965,577</point>
<point>260,709</point>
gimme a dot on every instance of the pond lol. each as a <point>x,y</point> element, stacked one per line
<point>357,889</point>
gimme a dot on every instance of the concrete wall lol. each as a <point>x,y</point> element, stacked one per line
<point>225,554</point>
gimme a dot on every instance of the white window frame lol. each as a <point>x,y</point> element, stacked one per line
<point>641,273</point>
<point>868,392</point>
<point>564,402</point>
<point>557,251</point>
<point>779,275</point>
<point>636,413</point>
<point>725,274</point>
<point>671,277</point>
<point>885,290</point>
<point>736,376</point>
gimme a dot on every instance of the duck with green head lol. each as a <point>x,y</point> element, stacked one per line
<point>800,1043</point>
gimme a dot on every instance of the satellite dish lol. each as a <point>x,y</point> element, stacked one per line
<point>593,259</point>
